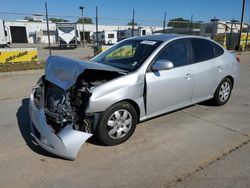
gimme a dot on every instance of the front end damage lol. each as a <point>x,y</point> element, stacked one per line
<point>58,103</point>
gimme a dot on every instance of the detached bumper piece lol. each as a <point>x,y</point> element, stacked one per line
<point>66,143</point>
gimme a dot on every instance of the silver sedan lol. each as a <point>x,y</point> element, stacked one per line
<point>137,79</point>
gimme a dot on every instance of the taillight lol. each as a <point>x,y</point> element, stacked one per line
<point>238,59</point>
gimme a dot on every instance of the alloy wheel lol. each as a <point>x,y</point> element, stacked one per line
<point>224,91</point>
<point>119,124</point>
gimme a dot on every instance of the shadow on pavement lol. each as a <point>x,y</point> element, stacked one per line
<point>207,103</point>
<point>93,140</point>
<point>23,120</point>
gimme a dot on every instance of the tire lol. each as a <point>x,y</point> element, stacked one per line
<point>223,92</point>
<point>117,124</point>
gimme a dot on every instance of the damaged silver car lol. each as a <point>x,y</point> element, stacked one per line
<point>136,79</point>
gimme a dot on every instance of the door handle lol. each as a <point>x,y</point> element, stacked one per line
<point>188,76</point>
<point>219,68</point>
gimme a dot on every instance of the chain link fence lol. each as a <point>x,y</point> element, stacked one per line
<point>95,29</point>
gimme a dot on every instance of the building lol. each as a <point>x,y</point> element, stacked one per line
<point>24,31</point>
<point>182,31</point>
<point>215,27</point>
<point>226,33</point>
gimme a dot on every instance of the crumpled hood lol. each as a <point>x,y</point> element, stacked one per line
<point>63,71</point>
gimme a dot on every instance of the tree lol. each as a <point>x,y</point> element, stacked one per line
<point>54,20</point>
<point>183,23</point>
<point>179,23</point>
<point>130,23</point>
<point>197,25</point>
<point>87,20</point>
<point>28,18</point>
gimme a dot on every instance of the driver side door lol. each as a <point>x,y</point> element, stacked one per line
<point>167,90</point>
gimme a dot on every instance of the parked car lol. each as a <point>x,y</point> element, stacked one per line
<point>137,79</point>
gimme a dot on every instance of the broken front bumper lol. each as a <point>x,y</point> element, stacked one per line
<point>66,143</point>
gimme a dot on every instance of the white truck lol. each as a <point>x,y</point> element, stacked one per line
<point>66,34</point>
<point>106,37</point>
<point>3,35</point>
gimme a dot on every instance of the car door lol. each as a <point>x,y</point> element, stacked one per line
<point>207,69</point>
<point>167,90</point>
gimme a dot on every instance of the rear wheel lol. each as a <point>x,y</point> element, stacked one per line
<point>117,124</point>
<point>223,92</point>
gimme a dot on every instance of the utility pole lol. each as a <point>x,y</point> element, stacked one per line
<point>96,31</point>
<point>47,21</point>
<point>231,34</point>
<point>241,23</point>
<point>247,34</point>
<point>83,33</point>
<point>191,24</point>
<point>212,34</point>
<point>164,23</point>
<point>133,22</point>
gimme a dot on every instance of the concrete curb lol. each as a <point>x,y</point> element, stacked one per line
<point>20,73</point>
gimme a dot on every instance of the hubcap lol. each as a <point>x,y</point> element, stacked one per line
<point>224,91</point>
<point>119,124</point>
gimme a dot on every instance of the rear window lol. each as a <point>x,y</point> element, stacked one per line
<point>218,51</point>
<point>202,50</point>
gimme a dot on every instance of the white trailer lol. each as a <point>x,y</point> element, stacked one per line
<point>106,37</point>
<point>3,34</point>
<point>66,34</point>
<point>126,33</point>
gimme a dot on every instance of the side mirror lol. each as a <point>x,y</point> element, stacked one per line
<point>162,65</point>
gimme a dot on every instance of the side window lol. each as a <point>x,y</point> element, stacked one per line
<point>111,36</point>
<point>202,50</point>
<point>218,51</point>
<point>176,52</point>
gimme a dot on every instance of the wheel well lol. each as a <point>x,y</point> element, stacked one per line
<point>135,105</point>
<point>231,79</point>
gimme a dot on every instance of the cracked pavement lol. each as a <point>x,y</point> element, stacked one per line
<point>198,146</point>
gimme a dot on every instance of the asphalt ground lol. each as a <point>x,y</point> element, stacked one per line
<point>43,51</point>
<point>199,146</point>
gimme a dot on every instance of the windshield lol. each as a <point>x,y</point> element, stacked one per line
<point>128,55</point>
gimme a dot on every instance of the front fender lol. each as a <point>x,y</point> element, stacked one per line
<point>129,87</point>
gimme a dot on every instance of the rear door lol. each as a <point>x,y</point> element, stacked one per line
<point>207,69</point>
<point>168,90</point>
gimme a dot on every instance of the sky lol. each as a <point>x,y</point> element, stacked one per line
<point>153,10</point>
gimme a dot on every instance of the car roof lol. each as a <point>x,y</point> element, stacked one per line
<point>165,37</point>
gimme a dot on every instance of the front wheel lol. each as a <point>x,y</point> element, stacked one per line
<point>117,124</point>
<point>223,92</point>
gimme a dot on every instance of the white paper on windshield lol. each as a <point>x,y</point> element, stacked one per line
<point>148,42</point>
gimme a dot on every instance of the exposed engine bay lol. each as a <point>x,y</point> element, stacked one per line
<point>64,107</point>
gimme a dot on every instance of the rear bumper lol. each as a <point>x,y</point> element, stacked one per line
<point>66,143</point>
